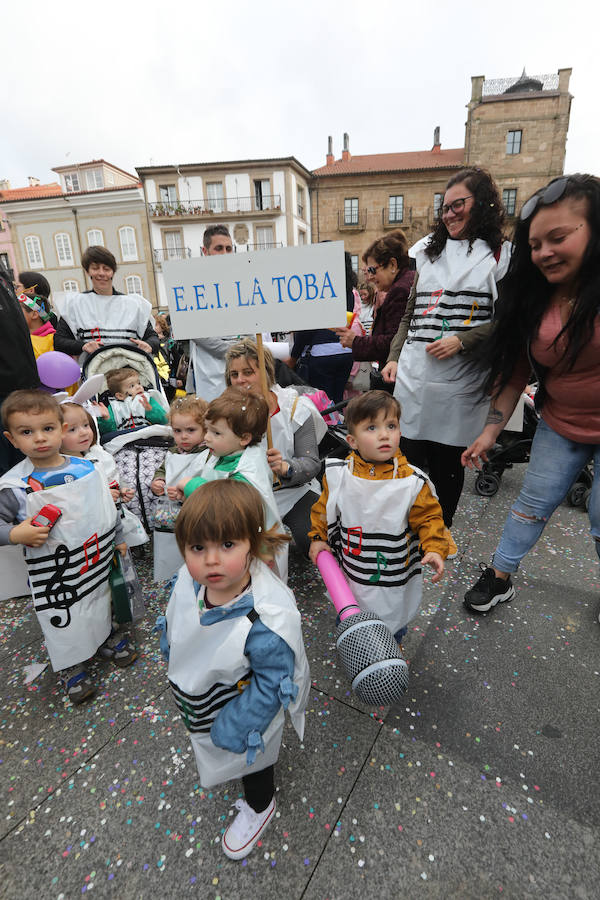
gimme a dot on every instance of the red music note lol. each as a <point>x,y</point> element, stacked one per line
<point>475,306</point>
<point>95,335</point>
<point>356,532</point>
<point>91,540</point>
<point>437,295</point>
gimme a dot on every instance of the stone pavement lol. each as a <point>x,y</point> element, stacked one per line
<point>482,783</point>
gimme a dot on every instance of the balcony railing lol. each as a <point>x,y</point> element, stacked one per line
<point>217,207</point>
<point>352,221</point>
<point>162,255</point>
<point>265,245</point>
<point>394,218</point>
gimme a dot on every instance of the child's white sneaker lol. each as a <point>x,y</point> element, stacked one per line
<point>243,833</point>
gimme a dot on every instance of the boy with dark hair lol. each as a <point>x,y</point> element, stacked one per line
<point>61,510</point>
<point>379,515</point>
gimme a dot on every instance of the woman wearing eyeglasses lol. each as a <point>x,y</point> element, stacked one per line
<point>437,380</point>
<point>389,265</point>
<point>548,320</point>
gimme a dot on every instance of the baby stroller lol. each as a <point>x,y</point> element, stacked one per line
<point>137,451</point>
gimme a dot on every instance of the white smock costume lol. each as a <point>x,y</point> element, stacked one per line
<point>441,399</point>
<point>207,664</point>
<point>133,530</point>
<point>368,530</point>
<point>253,465</point>
<point>131,412</point>
<point>68,574</point>
<point>167,558</point>
<point>112,319</point>
<point>294,411</point>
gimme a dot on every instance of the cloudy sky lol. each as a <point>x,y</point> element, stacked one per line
<point>142,83</point>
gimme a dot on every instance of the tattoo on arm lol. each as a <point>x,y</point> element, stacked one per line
<point>494,416</point>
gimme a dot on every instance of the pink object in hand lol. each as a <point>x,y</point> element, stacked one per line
<point>341,595</point>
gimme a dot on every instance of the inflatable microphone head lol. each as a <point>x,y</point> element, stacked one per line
<point>366,647</point>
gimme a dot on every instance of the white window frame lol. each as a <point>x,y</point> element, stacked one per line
<point>509,201</point>
<point>64,249</point>
<point>33,249</point>
<point>261,243</point>
<point>127,242</point>
<point>92,177</point>
<point>67,285</point>
<point>354,262</point>
<point>136,291</point>
<point>72,185</point>
<point>514,143</point>
<point>95,243</point>
<point>215,196</point>
<point>300,201</point>
<point>396,202</point>
<point>438,200</point>
<point>351,211</point>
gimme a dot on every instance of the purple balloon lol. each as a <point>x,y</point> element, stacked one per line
<point>57,370</point>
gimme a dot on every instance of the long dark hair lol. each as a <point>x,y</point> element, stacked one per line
<point>487,213</point>
<point>526,294</point>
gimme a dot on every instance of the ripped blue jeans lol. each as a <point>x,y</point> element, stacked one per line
<point>553,467</point>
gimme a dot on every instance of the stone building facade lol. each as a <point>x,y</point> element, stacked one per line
<point>516,128</point>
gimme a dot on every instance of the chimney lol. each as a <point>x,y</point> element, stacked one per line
<point>33,182</point>
<point>346,151</point>
<point>477,88</point>
<point>329,151</point>
<point>4,184</point>
<point>436,140</point>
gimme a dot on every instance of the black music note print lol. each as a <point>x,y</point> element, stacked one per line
<point>91,540</point>
<point>59,595</point>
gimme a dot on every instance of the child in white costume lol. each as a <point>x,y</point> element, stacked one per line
<point>377,513</point>
<point>68,554</point>
<point>130,406</point>
<point>236,656</point>
<point>235,424</point>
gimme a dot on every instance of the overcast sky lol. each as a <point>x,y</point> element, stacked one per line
<point>145,83</point>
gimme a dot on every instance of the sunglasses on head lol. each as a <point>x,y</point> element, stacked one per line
<point>544,197</point>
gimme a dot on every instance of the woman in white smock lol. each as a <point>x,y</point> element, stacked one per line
<point>450,310</point>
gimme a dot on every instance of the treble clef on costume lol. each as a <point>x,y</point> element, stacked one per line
<point>59,595</point>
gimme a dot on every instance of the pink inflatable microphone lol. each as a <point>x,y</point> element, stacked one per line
<point>366,647</point>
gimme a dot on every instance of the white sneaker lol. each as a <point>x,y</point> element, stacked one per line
<point>243,833</point>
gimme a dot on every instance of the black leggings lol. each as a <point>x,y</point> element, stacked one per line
<point>445,470</point>
<point>298,521</point>
<point>259,788</point>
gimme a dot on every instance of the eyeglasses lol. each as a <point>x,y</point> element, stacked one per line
<point>456,206</point>
<point>372,269</point>
<point>545,196</point>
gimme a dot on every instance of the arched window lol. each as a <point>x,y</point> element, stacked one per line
<point>133,284</point>
<point>95,238</point>
<point>128,243</point>
<point>71,286</point>
<point>33,249</point>
<point>63,249</point>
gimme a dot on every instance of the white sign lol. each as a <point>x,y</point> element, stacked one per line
<point>290,289</point>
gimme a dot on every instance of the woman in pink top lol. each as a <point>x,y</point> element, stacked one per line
<point>548,321</point>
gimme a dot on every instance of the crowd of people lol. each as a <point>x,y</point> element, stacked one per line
<point>450,331</point>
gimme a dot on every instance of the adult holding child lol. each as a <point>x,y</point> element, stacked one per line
<point>437,380</point>
<point>388,262</point>
<point>104,315</point>
<point>294,456</point>
<point>548,319</point>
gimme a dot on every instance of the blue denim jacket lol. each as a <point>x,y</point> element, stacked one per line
<point>240,724</point>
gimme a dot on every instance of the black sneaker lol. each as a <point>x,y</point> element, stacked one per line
<point>488,591</point>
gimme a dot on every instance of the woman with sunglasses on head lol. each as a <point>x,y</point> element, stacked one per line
<point>388,264</point>
<point>548,321</point>
<point>450,309</point>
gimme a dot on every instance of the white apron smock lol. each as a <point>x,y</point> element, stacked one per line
<point>441,399</point>
<point>367,528</point>
<point>133,530</point>
<point>68,575</point>
<point>207,662</point>
<point>294,411</point>
<point>206,376</point>
<point>167,558</point>
<point>113,319</point>
<point>253,465</point>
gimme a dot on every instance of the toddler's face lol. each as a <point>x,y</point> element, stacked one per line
<point>188,433</point>
<point>377,440</point>
<point>223,568</point>
<point>131,387</point>
<point>37,435</point>
<point>222,440</point>
<point>79,437</point>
